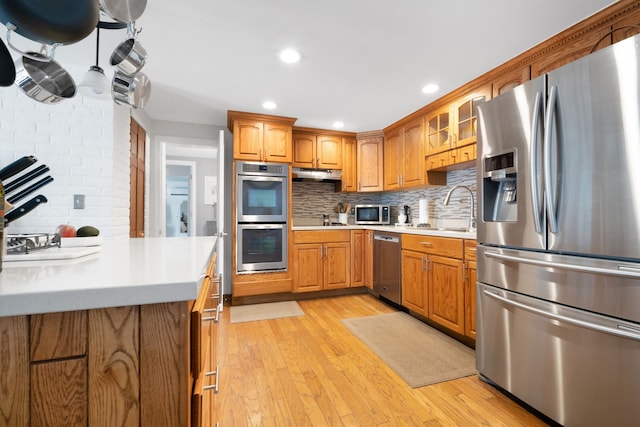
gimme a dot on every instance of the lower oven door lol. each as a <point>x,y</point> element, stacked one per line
<point>576,367</point>
<point>261,247</point>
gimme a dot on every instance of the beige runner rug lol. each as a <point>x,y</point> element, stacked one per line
<point>265,311</point>
<point>418,353</point>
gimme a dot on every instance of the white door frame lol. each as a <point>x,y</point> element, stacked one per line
<point>192,193</point>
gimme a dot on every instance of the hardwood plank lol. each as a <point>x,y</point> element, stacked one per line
<point>59,393</point>
<point>310,371</point>
<point>58,335</point>
<point>14,365</point>
<point>113,366</point>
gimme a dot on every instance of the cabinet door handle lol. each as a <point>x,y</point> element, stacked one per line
<point>215,318</point>
<point>213,387</point>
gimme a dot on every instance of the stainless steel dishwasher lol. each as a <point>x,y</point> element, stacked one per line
<point>387,271</point>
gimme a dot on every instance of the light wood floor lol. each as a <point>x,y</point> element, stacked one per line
<point>310,371</point>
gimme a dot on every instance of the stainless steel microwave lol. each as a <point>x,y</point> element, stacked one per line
<point>373,214</point>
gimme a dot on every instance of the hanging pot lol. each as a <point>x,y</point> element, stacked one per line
<point>45,82</point>
<point>129,57</point>
<point>7,67</point>
<point>123,10</point>
<point>51,23</point>
<point>132,90</point>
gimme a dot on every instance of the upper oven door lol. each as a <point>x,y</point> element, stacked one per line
<point>261,198</point>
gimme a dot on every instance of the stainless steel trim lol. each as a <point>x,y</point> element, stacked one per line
<point>535,192</point>
<point>551,111</point>
<point>622,271</point>
<point>619,331</point>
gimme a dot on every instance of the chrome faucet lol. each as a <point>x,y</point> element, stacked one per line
<point>472,212</point>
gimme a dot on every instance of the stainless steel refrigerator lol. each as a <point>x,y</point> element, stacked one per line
<point>558,292</point>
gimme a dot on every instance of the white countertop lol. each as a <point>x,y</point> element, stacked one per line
<point>392,229</point>
<point>125,272</point>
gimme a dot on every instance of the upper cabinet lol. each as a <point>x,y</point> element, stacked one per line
<point>260,137</point>
<point>404,151</point>
<point>312,149</point>
<point>510,79</point>
<point>455,124</point>
<point>349,164</point>
<point>370,161</point>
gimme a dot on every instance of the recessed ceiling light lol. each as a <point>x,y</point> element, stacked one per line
<point>338,125</point>
<point>269,105</point>
<point>430,88</point>
<point>290,56</point>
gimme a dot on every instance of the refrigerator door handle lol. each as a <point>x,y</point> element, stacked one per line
<point>622,271</point>
<point>548,134</point>
<point>621,330</point>
<point>535,191</point>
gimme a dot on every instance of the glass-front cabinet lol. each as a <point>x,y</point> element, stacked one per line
<point>455,125</point>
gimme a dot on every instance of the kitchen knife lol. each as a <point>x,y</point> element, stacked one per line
<point>12,185</point>
<point>22,210</point>
<point>16,167</point>
<point>30,189</point>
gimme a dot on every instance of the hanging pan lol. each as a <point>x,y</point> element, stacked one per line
<point>46,82</point>
<point>7,67</point>
<point>123,10</point>
<point>131,90</point>
<point>51,23</point>
<point>129,57</point>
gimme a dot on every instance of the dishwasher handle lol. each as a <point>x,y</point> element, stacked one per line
<point>386,238</point>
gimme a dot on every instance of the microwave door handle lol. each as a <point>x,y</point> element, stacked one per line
<point>534,167</point>
<point>548,136</point>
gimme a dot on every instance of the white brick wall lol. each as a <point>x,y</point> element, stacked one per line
<point>85,143</point>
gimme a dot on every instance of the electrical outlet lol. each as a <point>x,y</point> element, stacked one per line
<point>78,201</point>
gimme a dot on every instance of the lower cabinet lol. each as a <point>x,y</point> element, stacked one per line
<point>368,259</point>
<point>470,279</point>
<point>432,279</point>
<point>321,260</point>
<point>146,365</point>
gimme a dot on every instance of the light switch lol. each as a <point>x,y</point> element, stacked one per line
<point>78,201</point>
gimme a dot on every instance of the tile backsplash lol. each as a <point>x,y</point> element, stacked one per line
<point>311,200</point>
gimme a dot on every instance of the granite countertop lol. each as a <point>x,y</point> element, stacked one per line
<point>407,229</point>
<point>125,272</point>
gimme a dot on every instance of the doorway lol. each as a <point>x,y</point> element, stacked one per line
<point>180,198</point>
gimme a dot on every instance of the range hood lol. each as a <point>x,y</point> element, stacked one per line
<point>300,174</point>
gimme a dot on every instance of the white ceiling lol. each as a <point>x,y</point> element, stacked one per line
<point>364,62</point>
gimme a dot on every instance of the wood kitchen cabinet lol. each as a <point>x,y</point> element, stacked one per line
<point>368,259</point>
<point>432,279</point>
<point>357,257</point>
<point>508,80</point>
<point>454,159</point>
<point>370,161</point>
<point>470,279</point>
<point>321,260</point>
<point>404,152</point>
<point>316,150</point>
<point>349,165</point>
<point>455,124</point>
<point>415,282</point>
<point>131,365</point>
<point>260,137</point>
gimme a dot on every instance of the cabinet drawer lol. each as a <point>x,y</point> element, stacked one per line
<point>438,161</point>
<point>321,236</point>
<point>58,335</point>
<point>470,250</point>
<point>444,246</point>
<point>202,316</point>
<point>463,154</point>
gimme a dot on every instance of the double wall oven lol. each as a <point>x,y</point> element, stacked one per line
<point>261,217</point>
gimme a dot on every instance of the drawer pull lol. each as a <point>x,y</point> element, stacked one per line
<point>426,243</point>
